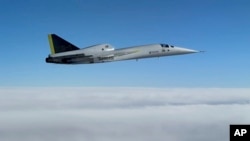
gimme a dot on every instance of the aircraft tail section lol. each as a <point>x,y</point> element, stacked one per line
<point>58,44</point>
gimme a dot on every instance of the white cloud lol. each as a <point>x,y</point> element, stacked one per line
<point>133,114</point>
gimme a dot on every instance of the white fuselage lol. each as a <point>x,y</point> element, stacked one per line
<point>106,53</point>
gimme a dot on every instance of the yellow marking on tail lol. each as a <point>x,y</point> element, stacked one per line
<point>52,49</point>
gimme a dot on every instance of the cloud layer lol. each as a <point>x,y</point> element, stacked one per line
<point>107,114</point>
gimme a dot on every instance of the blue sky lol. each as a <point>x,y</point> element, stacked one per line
<point>219,27</point>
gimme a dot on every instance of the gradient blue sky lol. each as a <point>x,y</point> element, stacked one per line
<point>219,27</point>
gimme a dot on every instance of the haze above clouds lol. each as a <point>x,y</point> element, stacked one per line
<point>107,114</point>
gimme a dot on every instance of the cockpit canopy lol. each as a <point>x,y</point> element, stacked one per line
<point>166,46</point>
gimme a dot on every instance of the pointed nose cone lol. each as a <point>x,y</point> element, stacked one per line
<point>185,50</point>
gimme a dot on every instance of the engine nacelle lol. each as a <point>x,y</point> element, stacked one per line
<point>96,49</point>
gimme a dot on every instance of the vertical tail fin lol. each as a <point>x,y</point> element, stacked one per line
<point>58,44</point>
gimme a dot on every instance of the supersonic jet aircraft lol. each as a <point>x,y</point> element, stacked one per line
<point>63,52</point>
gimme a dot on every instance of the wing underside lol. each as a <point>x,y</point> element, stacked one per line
<point>71,59</point>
